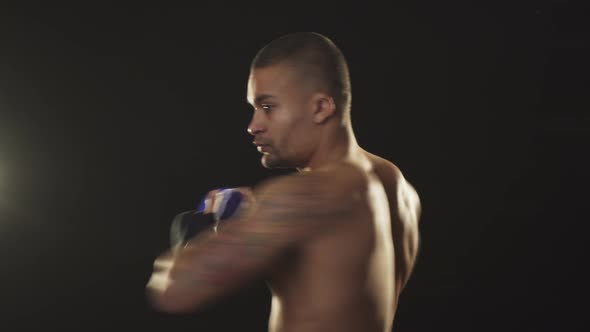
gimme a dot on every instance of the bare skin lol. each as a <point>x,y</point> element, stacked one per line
<point>348,277</point>
<point>336,242</point>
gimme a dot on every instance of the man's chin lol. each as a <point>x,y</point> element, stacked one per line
<point>270,161</point>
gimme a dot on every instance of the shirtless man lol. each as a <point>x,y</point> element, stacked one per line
<point>337,240</point>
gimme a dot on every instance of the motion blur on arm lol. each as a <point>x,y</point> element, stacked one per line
<point>287,211</point>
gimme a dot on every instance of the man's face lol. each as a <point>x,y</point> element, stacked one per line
<point>282,123</point>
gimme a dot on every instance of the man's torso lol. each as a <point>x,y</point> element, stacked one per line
<point>348,277</point>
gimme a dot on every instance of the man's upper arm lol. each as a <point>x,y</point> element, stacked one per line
<point>301,203</point>
<point>288,210</point>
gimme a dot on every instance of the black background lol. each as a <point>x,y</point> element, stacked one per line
<point>114,119</point>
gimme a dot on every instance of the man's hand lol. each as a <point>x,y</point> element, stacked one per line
<point>214,201</point>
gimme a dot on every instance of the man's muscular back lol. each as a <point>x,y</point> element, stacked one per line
<point>348,275</point>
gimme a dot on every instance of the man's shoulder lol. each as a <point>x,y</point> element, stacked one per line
<point>385,168</point>
<point>327,195</point>
<point>342,177</point>
<point>336,180</point>
<point>395,182</point>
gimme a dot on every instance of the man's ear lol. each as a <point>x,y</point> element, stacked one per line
<point>324,107</point>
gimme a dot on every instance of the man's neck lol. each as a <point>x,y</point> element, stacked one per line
<point>335,147</point>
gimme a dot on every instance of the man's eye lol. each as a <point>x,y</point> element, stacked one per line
<point>266,107</point>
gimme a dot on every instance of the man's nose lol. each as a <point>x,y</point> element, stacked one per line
<point>256,126</point>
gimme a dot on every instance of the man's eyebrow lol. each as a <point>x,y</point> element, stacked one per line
<point>261,98</point>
